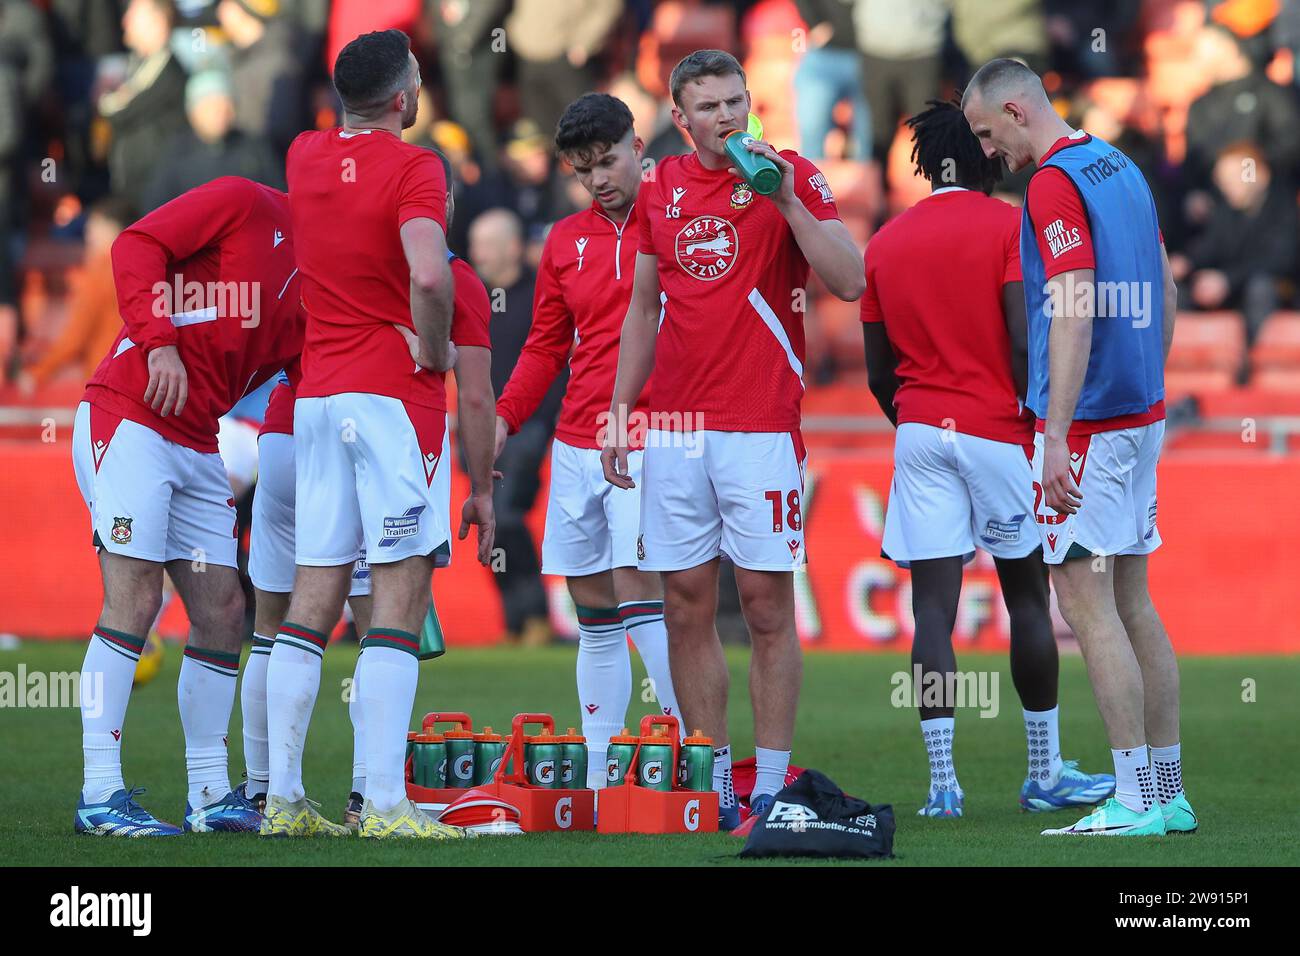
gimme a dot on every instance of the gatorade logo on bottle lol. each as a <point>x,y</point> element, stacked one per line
<point>653,771</point>
<point>545,771</point>
<point>611,769</point>
<point>691,815</point>
<point>464,767</point>
<point>564,813</point>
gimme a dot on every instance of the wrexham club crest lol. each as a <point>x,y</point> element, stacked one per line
<point>121,533</point>
<point>741,195</point>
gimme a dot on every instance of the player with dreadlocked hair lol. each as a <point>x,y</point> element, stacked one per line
<point>945,151</point>
<point>947,361</point>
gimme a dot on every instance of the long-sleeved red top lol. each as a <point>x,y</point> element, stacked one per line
<point>584,285</point>
<point>213,273</point>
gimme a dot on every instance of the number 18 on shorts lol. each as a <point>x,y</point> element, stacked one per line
<point>707,493</point>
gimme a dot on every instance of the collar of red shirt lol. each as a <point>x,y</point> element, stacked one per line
<point>599,210</point>
<point>1074,139</point>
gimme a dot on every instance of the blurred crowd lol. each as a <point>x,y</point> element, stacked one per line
<point>109,108</point>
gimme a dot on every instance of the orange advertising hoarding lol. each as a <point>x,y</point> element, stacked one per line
<point>1224,580</point>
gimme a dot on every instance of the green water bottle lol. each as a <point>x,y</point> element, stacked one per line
<point>429,761</point>
<point>542,756</point>
<point>573,761</point>
<point>431,642</point>
<point>695,767</point>
<point>654,765</point>
<point>757,170</point>
<point>489,750</point>
<point>618,759</point>
<point>460,758</point>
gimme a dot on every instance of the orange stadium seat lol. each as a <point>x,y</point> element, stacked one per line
<point>1278,379</point>
<point>1208,341</point>
<point>1278,345</point>
<point>1250,402</point>
<point>1229,441</point>
<point>840,327</point>
<point>1181,382</point>
<point>857,191</point>
<point>770,75</point>
<point>676,29</point>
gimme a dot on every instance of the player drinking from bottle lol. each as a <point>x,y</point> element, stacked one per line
<point>584,283</point>
<point>208,290</point>
<point>369,423</point>
<point>716,313</point>
<point>1096,385</point>
<point>947,363</point>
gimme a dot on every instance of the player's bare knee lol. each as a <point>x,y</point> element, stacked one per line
<point>130,611</point>
<point>770,620</point>
<point>132,594</point>
<point>633,585</point>
<point>217,620</point>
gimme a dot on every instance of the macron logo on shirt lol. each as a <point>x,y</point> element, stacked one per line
<point>279,238</point>
<point>1061,240</point>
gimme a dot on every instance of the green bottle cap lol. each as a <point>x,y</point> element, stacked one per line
<point>755,128</point>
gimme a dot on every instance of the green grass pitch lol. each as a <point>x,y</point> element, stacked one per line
<point>1235,756</point>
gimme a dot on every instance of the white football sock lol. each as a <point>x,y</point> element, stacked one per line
<point>938,734</point>
<point>604,673</point>
<point>205,694</point>
<point>1043,737</point>
<point>1134,786</point>
<point>292,682</point>
<point>106,677</point>
<point>252,705</point>
<point>358,738</point>
<point>722,782</point>
<point>1167,764</point>
<point>771,766</point>
<point>597,765</point>
<point>644,623</point>
<point>388,672</point>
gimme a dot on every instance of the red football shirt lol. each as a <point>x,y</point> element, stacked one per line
<point>950,336</point>
<point>730,351</point>
<point>1065,243</point>
<point>350,194</point>
<point>213,273</point>
<point>469,326</point>
<point>584,284</point>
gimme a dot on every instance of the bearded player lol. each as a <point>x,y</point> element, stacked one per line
<point>719,277</point>
<point>207,286</point>
<point>271,563</point>
<point>370,424</point>
<point>584,283</point>
<point>1096,385</point>
<point>947,363</point>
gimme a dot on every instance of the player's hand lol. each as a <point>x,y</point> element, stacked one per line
<point>425,360</point>
<point>503,432</point>
<point>168,384</point>
<point>478,510</point>
<point>1059,490</point>
<point>613,459</point>
<point>785,193</point>
<point>412,342</point>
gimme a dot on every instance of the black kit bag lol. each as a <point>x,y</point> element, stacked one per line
<point>813,817</point>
